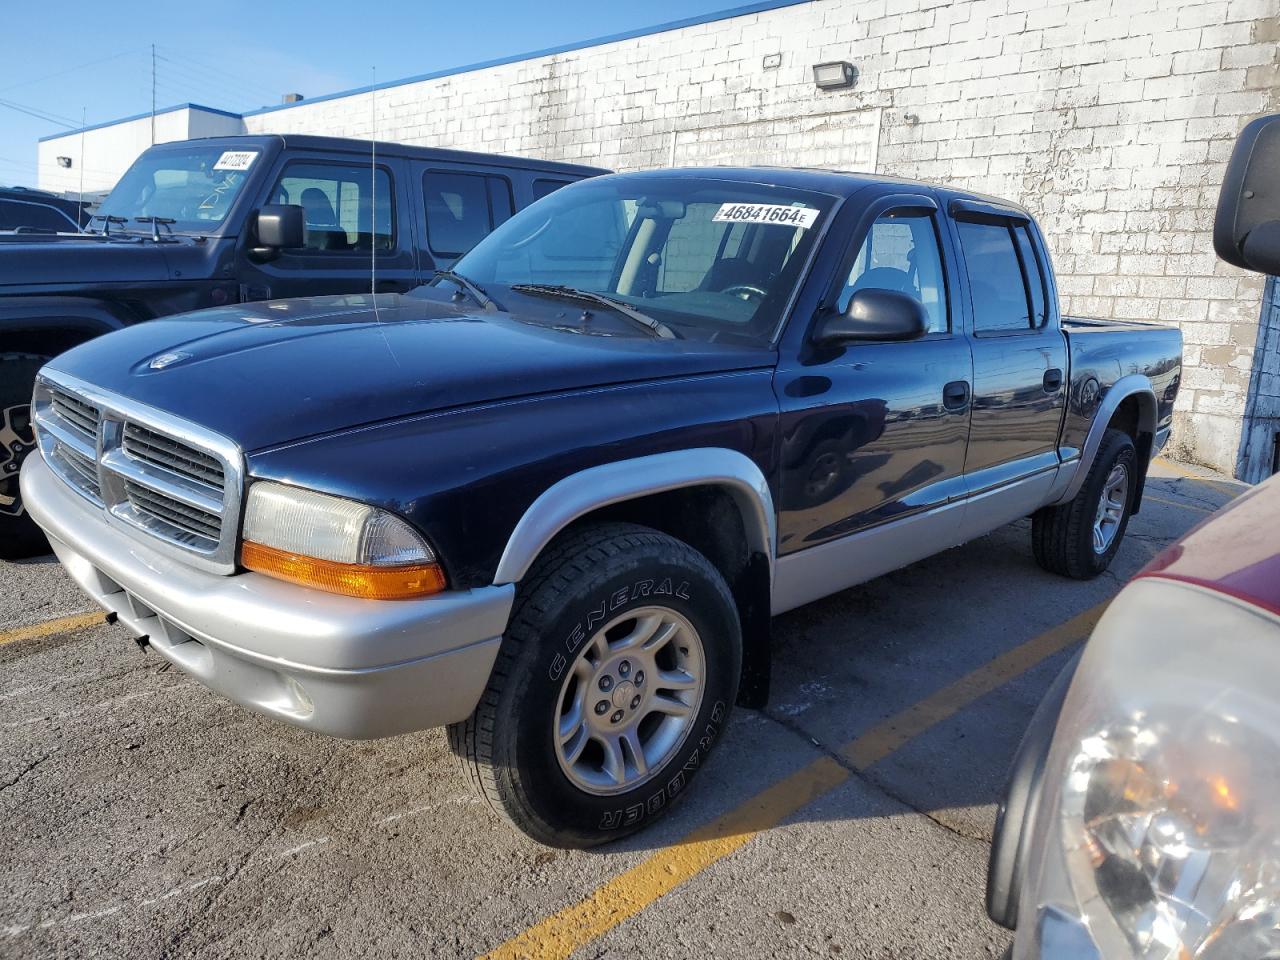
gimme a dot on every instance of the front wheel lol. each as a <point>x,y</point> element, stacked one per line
<point>614,681</point>
<point>1080,539</point>
<point>19,535</point>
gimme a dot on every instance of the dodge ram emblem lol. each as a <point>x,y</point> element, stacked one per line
<point>168,360</point>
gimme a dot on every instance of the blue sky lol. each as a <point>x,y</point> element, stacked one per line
<point>69,58</point>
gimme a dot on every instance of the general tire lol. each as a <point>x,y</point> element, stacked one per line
<point>19,535</point>
<point>1062,537</point>
<point>590,578</point>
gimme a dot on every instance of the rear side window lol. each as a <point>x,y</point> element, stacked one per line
<point>1001,300</point>
<point>1034,274</point>
<point>338,203</point>
<point>544,188</point>
<point>462,208</point>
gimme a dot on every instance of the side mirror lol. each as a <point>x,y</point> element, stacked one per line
<point>281,226</point>
<point>1246,229</point>
<point>875,314</point>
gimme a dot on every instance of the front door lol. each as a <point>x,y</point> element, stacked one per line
<point>876,432</point>
<point>351,216</point>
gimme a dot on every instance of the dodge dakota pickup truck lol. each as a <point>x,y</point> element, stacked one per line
<point>552,499</point>
<point>201,223</point>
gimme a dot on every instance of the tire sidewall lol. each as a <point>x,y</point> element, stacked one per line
<point>19,535</point>
<point>653,575</point>
<point>1119,449</point>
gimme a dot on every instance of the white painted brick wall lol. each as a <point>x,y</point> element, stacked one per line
<point>1110,119</point>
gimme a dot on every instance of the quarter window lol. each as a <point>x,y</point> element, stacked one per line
<point>346,210</point>
<point>1001,299</point>
<point>901,254</point>
<point>462,208</point>
<point>544,188</point>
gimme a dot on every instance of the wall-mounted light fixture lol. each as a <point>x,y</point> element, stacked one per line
<point>834,75</point>
<point>64,162</point>
<point>772,61</point>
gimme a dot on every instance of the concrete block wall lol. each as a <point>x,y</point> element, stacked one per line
<point>1110,119</point>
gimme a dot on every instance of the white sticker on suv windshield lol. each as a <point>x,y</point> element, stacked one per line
<point>785,216</point>
<point>236,160</point>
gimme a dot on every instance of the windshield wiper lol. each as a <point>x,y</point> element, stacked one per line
<point>654,326</point>
<point>108,220</point>
<point>155,225</point>
<point>471,287</point>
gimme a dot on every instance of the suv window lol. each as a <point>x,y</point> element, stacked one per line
<point>901,253</point>
<point>1033,272</point>
<point>1001,301</point>
<point>462,208</point>
<point>338,201</point>
<point>544,188</point>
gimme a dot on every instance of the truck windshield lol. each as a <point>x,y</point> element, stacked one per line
<point>707,258</point>
<point>194,187</point>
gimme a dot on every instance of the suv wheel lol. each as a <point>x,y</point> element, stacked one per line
<point>614,680</point>
<point>1080,539</point>
<point>19,535</point>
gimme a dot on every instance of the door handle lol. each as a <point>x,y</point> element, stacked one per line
<point>955,395</point>
<point>1052,380</point>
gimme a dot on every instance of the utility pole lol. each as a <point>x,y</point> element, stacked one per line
<point>153,94</point>
<point>80,203</point>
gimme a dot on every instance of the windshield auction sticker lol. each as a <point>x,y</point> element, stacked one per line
<point>783,216</point>
<point>236,160</point>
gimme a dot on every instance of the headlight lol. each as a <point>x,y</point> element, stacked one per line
<point>335,544</point>
<point>1158,836</point>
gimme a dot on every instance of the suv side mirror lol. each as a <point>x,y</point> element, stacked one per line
<point>875,314</point>
<point>281,226</point>
<point>1246,230</point>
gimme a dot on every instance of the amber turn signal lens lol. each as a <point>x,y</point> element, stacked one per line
<point>365,581</point>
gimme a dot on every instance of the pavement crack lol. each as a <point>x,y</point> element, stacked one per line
<point>865,778</point>
<point>27,769</point>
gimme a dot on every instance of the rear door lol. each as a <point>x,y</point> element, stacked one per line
<point>353,213</point>
<point>1019,351</point>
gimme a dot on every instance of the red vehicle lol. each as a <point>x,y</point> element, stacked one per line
<point>1142,818</point>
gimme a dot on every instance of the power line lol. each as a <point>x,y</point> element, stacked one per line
<point>38,114</point>
<point>63,73</point>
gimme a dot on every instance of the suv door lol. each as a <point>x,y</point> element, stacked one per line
<point>352,214</point>
<point>868,432</point>
<point>1019,352</point>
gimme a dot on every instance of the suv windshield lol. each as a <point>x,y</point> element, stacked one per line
<point>710,259</point>
<point>194,187</point>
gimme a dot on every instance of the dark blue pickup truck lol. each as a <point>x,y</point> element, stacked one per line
<point>553,498</point>
<point>187,227</point>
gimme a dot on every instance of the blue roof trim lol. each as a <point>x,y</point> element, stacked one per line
<point>140,116</point>
<point>762,6</point>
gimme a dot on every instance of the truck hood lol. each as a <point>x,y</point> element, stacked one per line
<point>91,260</point>
<point>269,373</point>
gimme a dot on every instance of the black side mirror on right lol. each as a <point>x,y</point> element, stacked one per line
<point>874,314</point>
<point>1246,229</point>
<point>281,226</point>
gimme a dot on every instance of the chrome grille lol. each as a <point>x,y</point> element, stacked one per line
<point>179,458</point>
<point>81,417</point>
<point>172,482</point>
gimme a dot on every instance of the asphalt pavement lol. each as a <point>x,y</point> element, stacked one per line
<point>144,816</point>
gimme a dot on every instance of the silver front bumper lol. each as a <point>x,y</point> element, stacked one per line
<point>336,665</point>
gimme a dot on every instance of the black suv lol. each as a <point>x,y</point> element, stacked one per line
<point>203,223</point>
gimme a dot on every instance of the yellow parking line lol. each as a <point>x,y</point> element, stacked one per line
<point>628,893</point>
<point>62,625</point>
<point>1213,481</point>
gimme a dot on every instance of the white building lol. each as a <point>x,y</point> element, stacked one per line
<point>1111,120</point>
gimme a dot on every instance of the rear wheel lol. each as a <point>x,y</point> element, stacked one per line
<point>1080,539</point>
<point>19,535</point>
<point>614,681</point>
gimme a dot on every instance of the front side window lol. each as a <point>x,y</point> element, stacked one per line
<point>710,258</point>
<point>1001,301</point>
<point>346,210</point>
<point>194,187</point>
<point>901,254</point>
